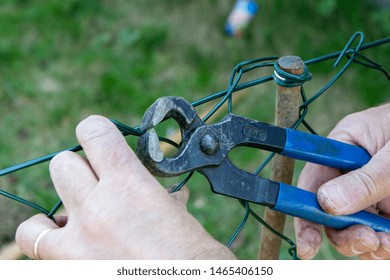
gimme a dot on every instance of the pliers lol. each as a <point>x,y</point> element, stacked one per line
<point>205,148</point>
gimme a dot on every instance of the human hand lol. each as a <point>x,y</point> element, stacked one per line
<point>116,209</point>
<point>342,194</point>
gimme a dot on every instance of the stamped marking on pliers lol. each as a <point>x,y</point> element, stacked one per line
<point>254,132</point>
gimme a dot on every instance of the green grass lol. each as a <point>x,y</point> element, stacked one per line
<point>61,61</point>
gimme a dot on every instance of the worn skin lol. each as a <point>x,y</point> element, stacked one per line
<point>115,208</point>
<point>340,194</point>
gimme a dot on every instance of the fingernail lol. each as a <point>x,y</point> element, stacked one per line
<point>360,247</point>
<point>334,196</point>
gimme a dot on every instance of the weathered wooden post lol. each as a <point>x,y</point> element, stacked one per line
<point>286,114</point>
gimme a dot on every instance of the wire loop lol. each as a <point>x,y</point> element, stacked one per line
<point>285,79</point>
<point>350,51</point>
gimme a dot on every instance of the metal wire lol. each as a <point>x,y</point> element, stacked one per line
<point>352,54</point>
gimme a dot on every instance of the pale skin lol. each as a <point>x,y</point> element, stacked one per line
<point>117,210</point>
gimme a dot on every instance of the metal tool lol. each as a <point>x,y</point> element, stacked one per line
<point>205,148</point>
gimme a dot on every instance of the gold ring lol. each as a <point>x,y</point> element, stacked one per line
<point>36,244</point>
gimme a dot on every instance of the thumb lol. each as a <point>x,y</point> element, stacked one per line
<point>358,189</point>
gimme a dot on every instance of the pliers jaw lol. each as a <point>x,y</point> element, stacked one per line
<point>148,148</point>
<point>170,107</point>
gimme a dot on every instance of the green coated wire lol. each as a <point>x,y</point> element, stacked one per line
<point>245,204</point>
<point>292,250</point>
<point>343,69</point>
<point>182,183</point>
<point>24,201</point>
<point>352,54</point>
<point>330,56</point>
<point>369,63</point>
<point>36,161</point>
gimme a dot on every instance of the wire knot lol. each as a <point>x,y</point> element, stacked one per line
<point>286,79</point>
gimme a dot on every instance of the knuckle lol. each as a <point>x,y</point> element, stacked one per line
<point>350,120</point>
<point>93,128</point>
<point>366,185</point>
<point>371,182</point>
<point>60,160</point>
<point>349,128</point>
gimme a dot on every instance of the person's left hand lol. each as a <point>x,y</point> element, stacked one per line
<point>116,208</point>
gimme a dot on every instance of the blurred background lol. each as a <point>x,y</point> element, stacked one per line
<point>61,61</point>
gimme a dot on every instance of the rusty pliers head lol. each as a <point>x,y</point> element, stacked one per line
<point>148,148</point>
<point>204,148</point>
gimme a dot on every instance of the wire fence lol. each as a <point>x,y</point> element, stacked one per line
<point>352,52</point>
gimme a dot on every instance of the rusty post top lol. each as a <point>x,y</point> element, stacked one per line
<point>292,64</point>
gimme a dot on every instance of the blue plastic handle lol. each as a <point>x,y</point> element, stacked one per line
<point>303,204</point>
<point>300,203</point>
<point>324,151</point>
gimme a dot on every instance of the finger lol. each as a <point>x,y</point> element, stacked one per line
<point>308,234</point>
<point>383,252</point>
<point>105,147</point>
<point>367,129</point>
<point>358,189</point>
<point>28,233</point>
<point>308,238</point>
<point>314,175</point>
<point>354,241</point>
<point>73,179</point>
<point>181,196</point>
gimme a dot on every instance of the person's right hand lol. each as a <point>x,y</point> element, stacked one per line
<point>342,194</point>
